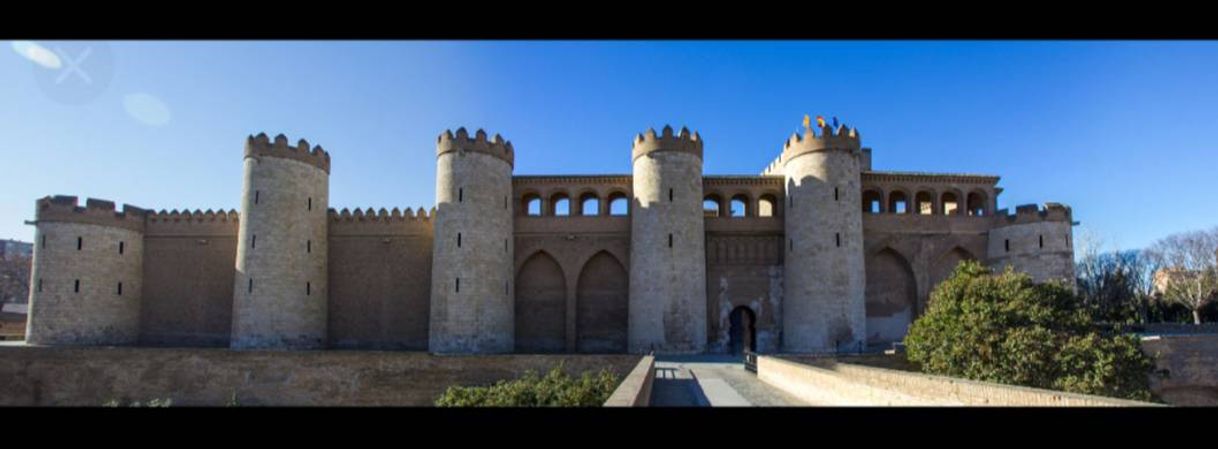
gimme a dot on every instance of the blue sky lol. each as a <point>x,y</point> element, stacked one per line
<point>1124,132</point>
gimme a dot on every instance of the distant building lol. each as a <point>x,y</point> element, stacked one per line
<point>9,247</point>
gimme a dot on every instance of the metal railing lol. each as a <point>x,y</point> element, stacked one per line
<point>750,360</point>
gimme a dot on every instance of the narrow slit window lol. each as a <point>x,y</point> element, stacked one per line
<point>505,245</point>
<point>251,287</point>
<point>309,246</point>
<point>80,243</point>
<point>253,241</point>
<point>44,241</point>
<point>835,195</point>
<point>120,289</point>
<point>257,193</point>
<point>791,244</point>
<point>1007,244</point>
<point>670,195</point>
<point>505,202</point>
<point>310,203</point>
<point>1042,241</point>
<point>458,240</point>
<point>670,240</point>
<point>121,247</point>
<point>458,285</point>
<point>308,288</point>
<point>460,195</point>
<point>40,285</point>
<point>76,288</point>
<point>838,236</point>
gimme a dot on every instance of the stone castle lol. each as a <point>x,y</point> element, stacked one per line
<point>819,253</point>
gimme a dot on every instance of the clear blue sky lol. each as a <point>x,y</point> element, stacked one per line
<point>1125,132</point>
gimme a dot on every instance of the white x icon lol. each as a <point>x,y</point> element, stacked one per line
<point>73,66</point>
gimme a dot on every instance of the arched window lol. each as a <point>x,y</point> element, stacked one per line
<point>710,206</point>
<point>898,202</point>
<point>924,203</point>
<point>589,205</point>
<point>872,202</point>
<point>740,206</point>
<point>618,204</point>
<point>951,204</point>
<point>532,205</point>
<point>765,206</point>
<point>976,204</point>
<point>560,204</point>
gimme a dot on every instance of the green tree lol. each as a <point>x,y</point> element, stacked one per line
<point>1008,329</point>
<point>556,388</point>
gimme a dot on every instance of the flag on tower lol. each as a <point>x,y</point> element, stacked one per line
<point>807,121</point>
<point>820,121</point>
<point>835,122</point>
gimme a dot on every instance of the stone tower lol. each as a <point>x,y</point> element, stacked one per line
<point>667,311</point>
<point>472,300</point>
<point>279,292</point>
<point>1034,241</point>
<point>87,273</point>
<point>824,308</point>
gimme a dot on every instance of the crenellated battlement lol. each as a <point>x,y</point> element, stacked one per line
<point>381,222</point>
<point>62,208</point>
<point>841,139</point>
<point>197,216</point>
<point>261,145</point>
<point>1032,213</point>
<point>684,141</point>
<point>359,215</point>
<point>461,141</point>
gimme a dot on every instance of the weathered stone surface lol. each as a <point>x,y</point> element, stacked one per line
<point>42,376</point>
<point>667,247</point>
<point>472,302</point>
<point>84,288</point>
<point>280,286</point>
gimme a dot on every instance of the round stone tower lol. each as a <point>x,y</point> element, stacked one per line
<point>472,306</point>
<point>824,308</point>
<point>1035,241</point>
<point>87,273</point>
<point>279,296</point>
<point>667,245</point>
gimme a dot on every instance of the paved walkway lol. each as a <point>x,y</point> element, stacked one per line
<point>712,381</point>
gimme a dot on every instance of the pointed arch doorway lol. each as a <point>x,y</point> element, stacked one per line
<point>742,330</point>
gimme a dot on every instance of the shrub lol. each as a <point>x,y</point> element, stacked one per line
<point>556,388</point>
<point>157,403</point>
<point>1008,329</point>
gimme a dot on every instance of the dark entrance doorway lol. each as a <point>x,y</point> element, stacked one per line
<point>743,332</point>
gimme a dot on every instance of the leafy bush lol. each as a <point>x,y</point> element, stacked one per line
<point>555,389</point>
<point>1008,329</point>
<point>158,403</point>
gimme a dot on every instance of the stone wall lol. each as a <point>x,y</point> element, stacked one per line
<point>1187,368</point>
<point>635,389</point>
<point>86,284</point>
<point>280,288</point>
<point>50,376</point>
<point>906,256</point>
<point>472,299</point>
<point>824,304</point>
<point>188,279</point>
<point>380,280</point>
<point>823,381</point>
<point>667,248</point>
